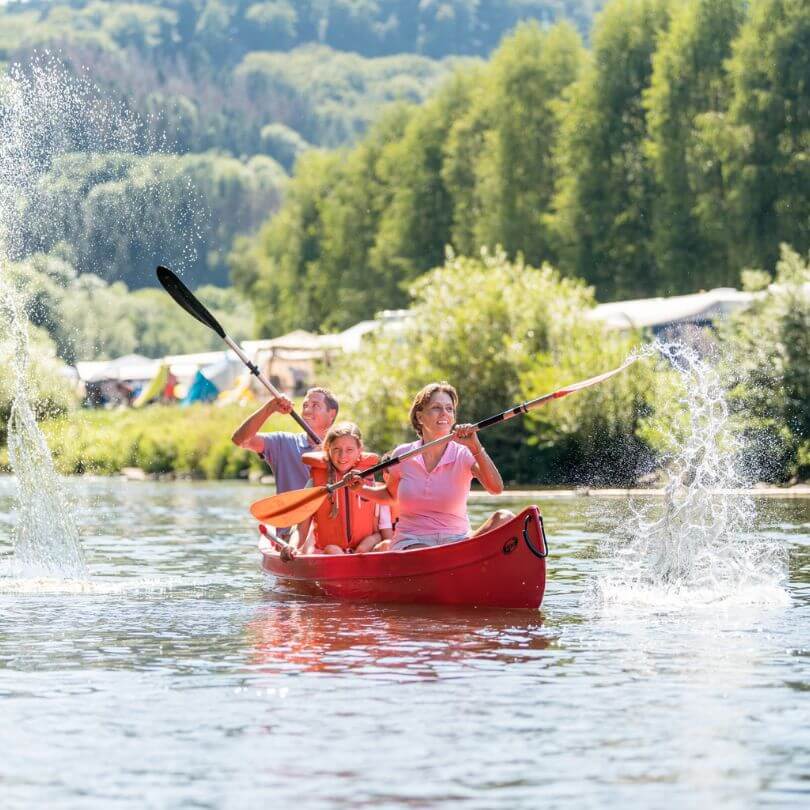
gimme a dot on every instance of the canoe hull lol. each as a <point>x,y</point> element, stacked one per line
<point>502,568</point>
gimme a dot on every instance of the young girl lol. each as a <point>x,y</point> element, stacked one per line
<point>346,522</point>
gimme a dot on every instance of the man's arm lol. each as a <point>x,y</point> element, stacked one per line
<point>245,435</point>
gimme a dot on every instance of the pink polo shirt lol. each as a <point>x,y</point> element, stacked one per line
<point>433,502</point>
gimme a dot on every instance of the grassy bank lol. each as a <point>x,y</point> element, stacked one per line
<point>193,441</point>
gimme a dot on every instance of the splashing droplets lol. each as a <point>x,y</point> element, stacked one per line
<point>699,547</point>
<point>43,113</point>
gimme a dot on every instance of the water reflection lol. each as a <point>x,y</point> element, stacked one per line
<point>399,642</point>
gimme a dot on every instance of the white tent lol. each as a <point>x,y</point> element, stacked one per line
<point>661,313</point>
<point>224,373</point>
<point>185,366</point>
<point>131,368</point>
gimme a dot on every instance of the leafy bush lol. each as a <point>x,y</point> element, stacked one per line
<point>502,333</point>
<point>28,363</point>
<point>193,440</point>
<point>768,370</point>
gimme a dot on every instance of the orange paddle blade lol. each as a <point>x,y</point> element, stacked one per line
<point>289,508</point>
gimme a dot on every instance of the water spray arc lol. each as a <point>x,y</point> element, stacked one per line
<point>38,108</point>
<point>699,545</point>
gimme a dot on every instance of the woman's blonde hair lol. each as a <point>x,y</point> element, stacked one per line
<point>424,396</point>
<point>340,430</point>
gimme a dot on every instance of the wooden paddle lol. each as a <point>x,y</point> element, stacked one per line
<point>186,299</point>
<point>292,507</point>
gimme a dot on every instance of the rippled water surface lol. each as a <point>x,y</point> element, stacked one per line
<point>177,677</point>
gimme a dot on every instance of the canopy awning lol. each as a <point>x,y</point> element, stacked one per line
<point>132,367</point>
<point>657,313</point>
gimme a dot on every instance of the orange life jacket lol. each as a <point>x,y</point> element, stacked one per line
<point>355,518</point>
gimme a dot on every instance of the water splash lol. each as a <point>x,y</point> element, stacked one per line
<point>699,546</point>
<point>46,540</point>
<point>17,582</point>
<point>49,111</point>
<point>43,113</point>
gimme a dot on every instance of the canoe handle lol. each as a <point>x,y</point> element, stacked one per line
<point>534,550</point>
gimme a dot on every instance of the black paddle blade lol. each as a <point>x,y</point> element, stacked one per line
<point>187,300</point>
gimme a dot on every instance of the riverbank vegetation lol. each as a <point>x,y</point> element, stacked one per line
<point>49,392</point>
<point>193,441</point>
<point>504,332</point>
<point>766,358</point>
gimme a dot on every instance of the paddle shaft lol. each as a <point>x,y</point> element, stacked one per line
<point>484,423</point>
<point>288,508</point>
<point>509,413</point>
<point>276,541</point>
<point>270,387</point>
<point>191,304</point>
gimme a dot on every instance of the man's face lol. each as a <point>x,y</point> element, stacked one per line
<point>316,412</point>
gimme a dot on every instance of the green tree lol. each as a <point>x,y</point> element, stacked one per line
<point>466,143</point>
<point>767,350</point>
<point>769,142</point>
<point>503,145</point>
<point>283,144</point>
<point>354,286</point>
<point>602,210</point>
<point>88,319</point>
<point>417,222</point>
<point>271,26</point>
<point>501,332</point>
<point>219,32</point>
<point>279,270</point>
<point>689,86</point>
<point>123,214</point>
<point>309,267</point>
<point>214,30</point>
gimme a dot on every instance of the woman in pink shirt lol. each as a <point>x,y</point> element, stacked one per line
<point>430,490</point>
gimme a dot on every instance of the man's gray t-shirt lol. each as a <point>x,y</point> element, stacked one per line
<point>283,451</point>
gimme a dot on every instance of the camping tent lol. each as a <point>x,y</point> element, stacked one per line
<point>131,368</point>
<point>240,392</point>
<point>201,390</point>
<point>223,373</point>
<point>154,388</point>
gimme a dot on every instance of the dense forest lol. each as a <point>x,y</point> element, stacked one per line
<point>665,159</point>
<point>218,33</point>
<point>215,73</point>
<point>663,152</point>
<point>245,87</point>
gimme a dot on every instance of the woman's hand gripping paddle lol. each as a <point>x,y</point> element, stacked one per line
<point>293,507</point>
<point>186,299</point>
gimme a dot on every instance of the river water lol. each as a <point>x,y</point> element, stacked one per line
<point>176,677</point>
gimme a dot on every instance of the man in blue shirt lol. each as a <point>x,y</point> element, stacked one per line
<point>281,450</point>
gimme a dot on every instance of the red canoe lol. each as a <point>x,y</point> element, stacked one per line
<point>502,568</point>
